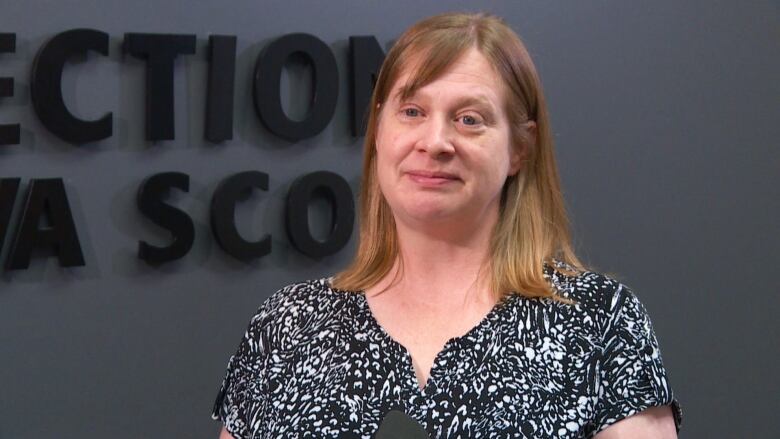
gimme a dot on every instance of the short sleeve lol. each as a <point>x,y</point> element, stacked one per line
<point>239,403</point>
<point>632,374</point>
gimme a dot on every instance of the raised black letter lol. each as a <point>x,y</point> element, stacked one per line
<point>9,133</point>
<point>337,191</point>
<point>159,51</point>
<point>223,221</point>
<point>219,102</point>
<point>366,57</point>
<point>8,189</point>
<point>149,200</point>
<point>46,197</point>
<point>325,87</point>
<point>46,86</point>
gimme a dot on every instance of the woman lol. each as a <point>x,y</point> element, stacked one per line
<point>465,306</point>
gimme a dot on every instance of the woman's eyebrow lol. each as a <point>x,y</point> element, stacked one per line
<point>405,92</point>
<point>478,100</point>
<point>475,100</point>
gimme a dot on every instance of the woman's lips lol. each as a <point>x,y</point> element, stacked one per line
<point>428,178</point>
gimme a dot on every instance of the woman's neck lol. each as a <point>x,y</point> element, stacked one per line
<point>444,266</point>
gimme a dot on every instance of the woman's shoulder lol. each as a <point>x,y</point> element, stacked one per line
<point>306,292</point>
<point>309,296</point>
<point>300,303</point>
<point>594,292</point>
<point>633,377</point>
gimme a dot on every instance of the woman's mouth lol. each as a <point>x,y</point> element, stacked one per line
<point>432,178</point>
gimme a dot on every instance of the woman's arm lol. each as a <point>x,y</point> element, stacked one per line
<point>224,434</point>
<point>653,423</point>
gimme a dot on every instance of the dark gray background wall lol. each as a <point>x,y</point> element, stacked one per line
<point>665,115</point>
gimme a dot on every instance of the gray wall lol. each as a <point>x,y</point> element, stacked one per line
<point>665,116</point>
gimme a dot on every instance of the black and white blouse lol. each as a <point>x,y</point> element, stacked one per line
<point>315,363</point>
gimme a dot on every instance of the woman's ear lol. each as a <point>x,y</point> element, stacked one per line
<point>520,151</point>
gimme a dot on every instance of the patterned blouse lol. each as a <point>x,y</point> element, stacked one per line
<point>315,363</point>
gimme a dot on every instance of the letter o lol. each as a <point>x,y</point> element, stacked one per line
<point>339,194</point>
<point>325,87</point>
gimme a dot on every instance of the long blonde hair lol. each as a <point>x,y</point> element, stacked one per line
<point>533,228</point>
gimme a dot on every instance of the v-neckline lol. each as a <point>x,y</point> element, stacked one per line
<point>472,334</point>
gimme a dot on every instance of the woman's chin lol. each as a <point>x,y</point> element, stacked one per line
<point>431,214</point>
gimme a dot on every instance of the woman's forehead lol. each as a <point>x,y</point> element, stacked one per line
<point>472,69</point>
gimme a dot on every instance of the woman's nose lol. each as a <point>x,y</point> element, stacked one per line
<point>435,137</point>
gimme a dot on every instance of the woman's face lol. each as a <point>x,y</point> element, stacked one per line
<point>444,154</point>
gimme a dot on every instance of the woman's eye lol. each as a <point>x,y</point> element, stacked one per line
<point>411,112</point>
<point>470,120</point>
